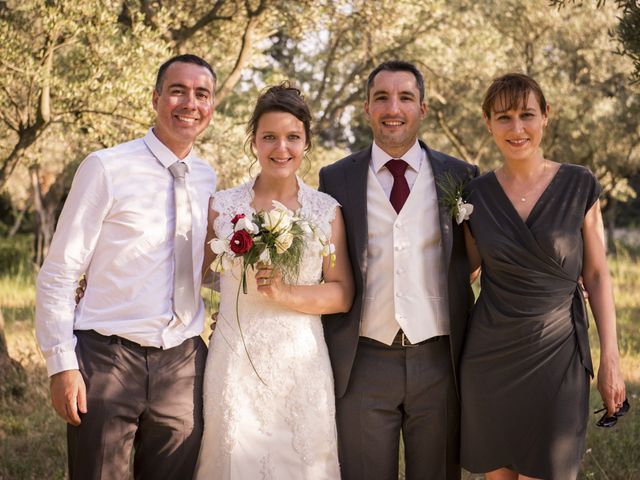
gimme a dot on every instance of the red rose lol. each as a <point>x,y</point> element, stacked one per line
<point>235,219</point>
<point>241,242</point>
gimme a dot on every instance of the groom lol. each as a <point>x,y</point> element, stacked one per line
<point>395,354</point>
<point>127,364</point>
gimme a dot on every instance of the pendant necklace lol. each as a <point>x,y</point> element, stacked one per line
<point>523,197</point>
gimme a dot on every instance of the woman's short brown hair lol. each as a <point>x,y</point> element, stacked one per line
<point>512,90</point>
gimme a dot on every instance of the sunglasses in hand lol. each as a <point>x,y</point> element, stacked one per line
<point>610,421</point>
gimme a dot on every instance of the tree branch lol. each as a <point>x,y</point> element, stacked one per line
<point>26,138</point>
<point>455,140</point>
<point>481,149</point>
<point>44,110</point>
<point>182,34</point>
<point>13,125</point>
<point>147,10</point>
<point>329,62</point>
<point>9,122</point>
<point>334,105</point>
<point>105,113</point>
<point>13,68</point>
<point>232,79</point>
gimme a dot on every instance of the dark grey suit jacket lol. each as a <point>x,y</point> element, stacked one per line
<point>346,181</point>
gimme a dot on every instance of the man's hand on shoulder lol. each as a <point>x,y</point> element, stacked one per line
<point>69,395</point>
<point>82,286</point>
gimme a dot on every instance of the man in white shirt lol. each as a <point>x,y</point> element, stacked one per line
<point>126,365</point>
<point>395,353</point>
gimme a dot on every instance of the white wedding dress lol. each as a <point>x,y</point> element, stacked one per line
<point>283,428</point>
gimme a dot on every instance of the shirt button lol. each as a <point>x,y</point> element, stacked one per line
<point>399,270</point>
<point>398,294</point>
<point>398,248</point>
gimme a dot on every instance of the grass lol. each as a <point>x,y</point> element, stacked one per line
<point>32,437</point>
<point>613,453</point>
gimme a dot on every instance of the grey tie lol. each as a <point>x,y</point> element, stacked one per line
<point>184,304</point>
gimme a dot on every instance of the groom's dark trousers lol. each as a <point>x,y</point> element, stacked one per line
<point>383,391</point>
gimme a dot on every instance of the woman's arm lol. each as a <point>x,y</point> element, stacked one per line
<point>209,256</point>
<point>333,296</point>
<point>597,283</point>
<point>472,254</point>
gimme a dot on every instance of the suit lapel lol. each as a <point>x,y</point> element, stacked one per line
<point>356,179</point>
<point>439,167</point>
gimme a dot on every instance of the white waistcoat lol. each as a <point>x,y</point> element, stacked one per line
<point>406,281</point>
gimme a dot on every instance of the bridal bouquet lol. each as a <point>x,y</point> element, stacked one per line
<point>275,237</point>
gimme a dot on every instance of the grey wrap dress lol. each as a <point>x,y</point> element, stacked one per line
<point>526,363</point>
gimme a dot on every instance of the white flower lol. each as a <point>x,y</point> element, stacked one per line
<point>219,246</point>
<point>277,220</point>
<point>283,242</point>
<point>305,227</point>
<point>265,256</point>
<point>328,249</point>
<point>245,224</point>
<point>283,208</point>
<point>227,261</point>
<point>222,262</point>
<point>463,211</point>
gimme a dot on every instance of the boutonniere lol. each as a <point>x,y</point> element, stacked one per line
<point>452,196</point>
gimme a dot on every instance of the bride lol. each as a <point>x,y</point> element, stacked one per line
<point>277,421</point>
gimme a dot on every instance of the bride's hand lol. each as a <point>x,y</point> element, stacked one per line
<point>269,282</point>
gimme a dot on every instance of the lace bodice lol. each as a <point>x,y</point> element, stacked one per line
<point>316,207</point>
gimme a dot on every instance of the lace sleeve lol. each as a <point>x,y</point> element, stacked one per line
<point>320,209</point>
<point>229,203</point>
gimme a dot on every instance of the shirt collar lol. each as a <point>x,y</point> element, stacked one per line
<point>379,157</point>
<point>165,156</point>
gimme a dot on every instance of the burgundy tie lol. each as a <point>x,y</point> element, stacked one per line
<point>400,189</point>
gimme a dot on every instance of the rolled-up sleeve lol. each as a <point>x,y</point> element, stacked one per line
<point>71,249</point>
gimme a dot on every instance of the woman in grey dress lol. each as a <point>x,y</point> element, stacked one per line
<point>535,229</point>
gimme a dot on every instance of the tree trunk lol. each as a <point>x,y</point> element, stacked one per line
<point>4,352</point>
<point>44,224</point>
<point>610,225</point>
<point>46,207</point>
<point>18,221</point>
<point>11,372</point>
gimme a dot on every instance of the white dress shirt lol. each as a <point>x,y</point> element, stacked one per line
<point>415,156</point>
<point>117,227</point>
